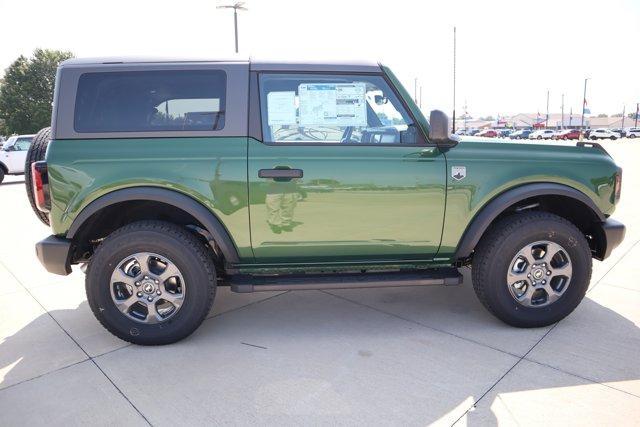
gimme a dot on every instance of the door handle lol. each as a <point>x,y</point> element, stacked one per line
<point>280,174</point>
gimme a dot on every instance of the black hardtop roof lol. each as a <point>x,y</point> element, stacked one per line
<point>254,64</point>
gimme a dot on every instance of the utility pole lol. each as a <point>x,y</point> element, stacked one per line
<point>454,80</point>
<point>562,113</point>
<point>465,116</point>
<point>239,5</point>
<point>420,99</point>
<point>637,108</point>
<point>546,118</point>
<point>584,102</point>
<point>624,108</point>
<point>570,116</point>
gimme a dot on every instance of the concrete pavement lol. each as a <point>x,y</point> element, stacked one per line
<point>405,356</point>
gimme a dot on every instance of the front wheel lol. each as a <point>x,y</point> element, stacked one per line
<point>1,175</point>
<point>532,269</point>
<point>632,136</point>
<point>151,283</point>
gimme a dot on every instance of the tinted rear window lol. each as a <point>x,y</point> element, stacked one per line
<point>149,101</point>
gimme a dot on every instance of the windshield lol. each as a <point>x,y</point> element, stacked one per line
<point>9,143</point>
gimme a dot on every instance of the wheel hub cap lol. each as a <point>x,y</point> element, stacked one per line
<point>539,274</point>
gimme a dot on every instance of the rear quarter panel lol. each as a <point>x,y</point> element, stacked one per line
<point>211,170</point>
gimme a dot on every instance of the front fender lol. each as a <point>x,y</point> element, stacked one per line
<point>491,210</point>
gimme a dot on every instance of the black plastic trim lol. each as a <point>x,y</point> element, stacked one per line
<point>614,232</point>
<point>501,202</point>
<point>210,222</point>
<point>53,253</point>
<point>442,276</point>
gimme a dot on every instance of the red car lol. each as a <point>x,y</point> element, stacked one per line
<point>488,133</point>
<point>568,134</point>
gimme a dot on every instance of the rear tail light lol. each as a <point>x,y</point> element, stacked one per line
<point>40,179</point>
<point>617,189</point>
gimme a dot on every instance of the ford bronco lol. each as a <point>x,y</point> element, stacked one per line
<point>165,179</point>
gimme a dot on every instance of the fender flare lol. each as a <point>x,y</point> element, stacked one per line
<point>490,211</point>
<point>180,201</point>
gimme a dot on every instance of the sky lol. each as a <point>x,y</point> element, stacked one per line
<point>509,53</point>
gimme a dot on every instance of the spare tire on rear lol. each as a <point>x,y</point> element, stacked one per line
<point>36,152</point>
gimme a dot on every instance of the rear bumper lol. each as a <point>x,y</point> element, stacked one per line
<point>613,232</point>
<point>53,253</point>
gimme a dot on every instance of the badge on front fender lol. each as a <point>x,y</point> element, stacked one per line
<point>458,172</point>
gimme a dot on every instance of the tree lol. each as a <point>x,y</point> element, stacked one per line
<point>27,91</point>
<point>602,115</point>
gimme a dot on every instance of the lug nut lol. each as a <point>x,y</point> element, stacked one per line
<point>150,299</point>
<point>156,281</point>
<point>146,277</point>
<point>137,283</point>
<point>548,273</point>
<point>544,282</point>
<point>139,294</point>
<point>158,292</point>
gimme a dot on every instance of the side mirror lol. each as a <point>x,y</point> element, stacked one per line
<point>439,129</point>
<point>380,99</point>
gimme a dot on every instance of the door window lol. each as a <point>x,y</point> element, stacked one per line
<point>334,109</point>
<point>22,144</point>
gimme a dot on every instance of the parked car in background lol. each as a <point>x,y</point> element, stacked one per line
<point>587,132</point>
<point>520,134</point>
<point>542,134</point>
<point>14,154</point>
<point>472,132</point>
<point>488,133</point>
<point>632,133</point>
<point>567,134</point>
<point>603,134</point>
<point>504,133</point>
<point>620,131</point>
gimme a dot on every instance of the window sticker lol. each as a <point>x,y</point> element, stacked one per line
<point>281,108</point>
<point>333,104</point>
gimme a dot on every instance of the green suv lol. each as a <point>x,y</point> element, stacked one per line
<point>166,179</point>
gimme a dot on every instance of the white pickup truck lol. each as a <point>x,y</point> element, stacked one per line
<point>14,154</point>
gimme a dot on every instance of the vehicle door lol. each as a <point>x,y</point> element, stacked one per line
<point>18,155</point>
<point>341,172</point>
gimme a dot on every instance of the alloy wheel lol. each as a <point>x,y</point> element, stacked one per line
<point>539,274</point>
<point>147,288</point>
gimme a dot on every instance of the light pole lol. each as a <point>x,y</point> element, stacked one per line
<point>239,5</point>
<point>584,102</point>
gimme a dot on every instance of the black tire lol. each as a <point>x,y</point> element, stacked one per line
<point>1,175</point>
<point>496,250</point>
<point>632,136</point>
<point>184,249</point>
<point>613,138</point>
<point>593,138</point>
<point>539,137</point>
<point>36,152</point>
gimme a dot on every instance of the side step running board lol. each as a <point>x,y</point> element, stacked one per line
<point>248,283</point>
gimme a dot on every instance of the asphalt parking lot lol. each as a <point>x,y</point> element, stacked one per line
<point>399,356</point>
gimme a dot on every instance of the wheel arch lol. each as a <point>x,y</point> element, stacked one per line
<point>4,168</point>
<point>561,199</point>
<point>179,201</point>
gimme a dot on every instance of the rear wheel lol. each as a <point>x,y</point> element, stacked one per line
<point>593,138</point>
<point>613,138</point>
<point>532,269</point>
<point>36,152</point>
<point>1,175</point>
<point>632,136</point>
<point>151,283</point>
